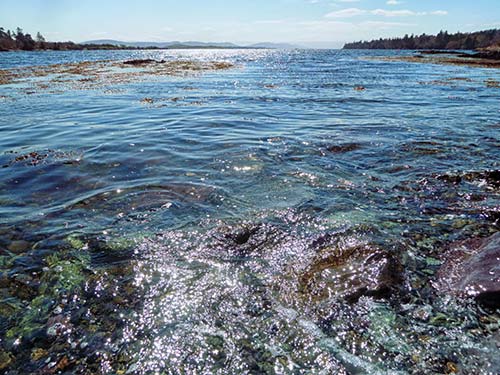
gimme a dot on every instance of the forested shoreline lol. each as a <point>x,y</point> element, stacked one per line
<point>441,41</point>
<point>19,41</point>
<point>488,39</point>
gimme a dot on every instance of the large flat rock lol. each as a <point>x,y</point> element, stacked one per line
<point>472,268</point>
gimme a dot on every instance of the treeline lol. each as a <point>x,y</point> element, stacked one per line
<point>19,41</point>
<point>442,41</point>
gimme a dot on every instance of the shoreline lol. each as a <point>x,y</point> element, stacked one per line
<point>477,60</point>
<point>132,49</point>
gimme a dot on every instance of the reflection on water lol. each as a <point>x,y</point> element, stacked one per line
<point>265,218</point>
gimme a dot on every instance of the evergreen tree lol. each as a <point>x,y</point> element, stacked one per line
<point>40,38</point>
<point>443,40</point>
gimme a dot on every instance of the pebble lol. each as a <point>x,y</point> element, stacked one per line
<point>38,353</point>
<point>54,330</point>
<point>451,368</point>
<point>423,313</point>
<point>58,310</point>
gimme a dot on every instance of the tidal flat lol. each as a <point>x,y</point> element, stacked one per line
<point>248,212</point>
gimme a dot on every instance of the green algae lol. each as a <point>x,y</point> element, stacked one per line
<point>65,275</point>
<point>6,359</point>
<point>33,318</point>
<point>75,242</point>
<point>385,329</point>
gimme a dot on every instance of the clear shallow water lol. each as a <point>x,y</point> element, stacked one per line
<point>174,235</point>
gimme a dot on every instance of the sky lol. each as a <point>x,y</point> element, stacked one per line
<point>310,23</point>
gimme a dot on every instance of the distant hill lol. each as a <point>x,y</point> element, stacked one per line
<point>274,46</point>
<point>190,44</point>
<point>441,41</point>
<point>18,40</point>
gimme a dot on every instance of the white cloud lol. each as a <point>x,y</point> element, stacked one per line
<point>393,2</point>
<point>348,1</point>
<point>395,13</point>
<point>354,12</point>
<point>439,13</point>
<point>345,13</point>
<point>326,30</point>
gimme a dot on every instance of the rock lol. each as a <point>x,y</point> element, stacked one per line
<point>38,353</point>
<point>343,148</point>
<point>242,235</point>
<point>4,280</point>
<point>55,330</point>
<point>485,54</point>
<point>440,52</point>
<point>243,240</point>
<point>19,246</point>
<point>472,269</point>
<point>139,62</point>
<point>492,83</point>
<point>63,363</point>
<point>351,273</point>
<point>29,262</point>
<point>6,360</point>
<point>489,178</point>
<point>451,368</point>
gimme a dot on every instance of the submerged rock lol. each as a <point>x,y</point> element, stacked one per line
<point>343,148</point>
<point>6,360</point>
<point>246,239</point>
<point>352,272</point>
<point>484,54</point>
<point>36,158</point>
<point>135,201</point>
<point>19,246</point>
<point>485,178</point>
<point>140,62</point>
<point>472,268</point>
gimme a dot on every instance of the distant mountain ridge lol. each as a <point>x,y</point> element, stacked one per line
<point>19,41</point>
<point>160,44</point>
<point>189,44</point>
<point>275,45</point>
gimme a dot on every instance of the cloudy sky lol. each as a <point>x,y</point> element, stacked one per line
<point>315,23</point>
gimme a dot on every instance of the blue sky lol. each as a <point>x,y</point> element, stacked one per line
<point>319,23</point>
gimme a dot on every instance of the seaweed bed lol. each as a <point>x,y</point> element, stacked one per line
<point>447,58</point>
<point>89,75</point>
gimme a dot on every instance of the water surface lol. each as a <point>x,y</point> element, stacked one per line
<point>167,225</point>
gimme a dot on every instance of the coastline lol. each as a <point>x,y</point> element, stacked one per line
<point>477,60</point>
<point>117,48</point>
